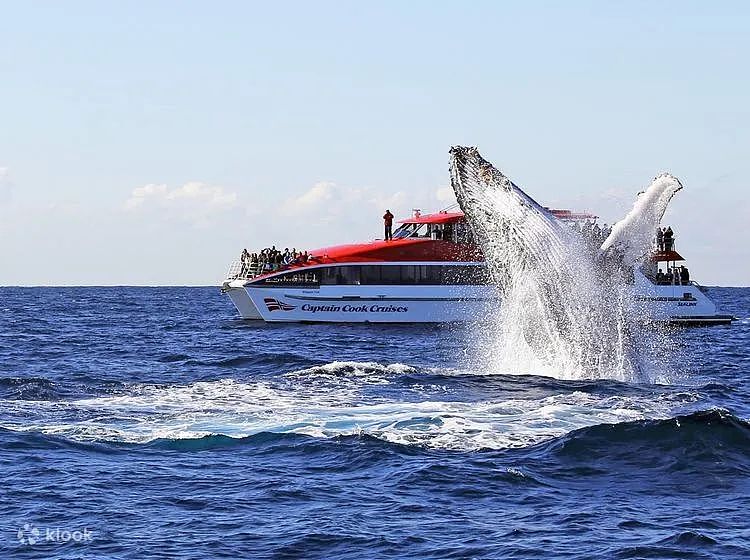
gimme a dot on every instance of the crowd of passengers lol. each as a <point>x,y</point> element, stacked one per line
<point>674,276</point>
<point>591,232</point>
<point>270,259</point>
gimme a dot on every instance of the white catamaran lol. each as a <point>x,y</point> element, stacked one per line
<point>430,272</point>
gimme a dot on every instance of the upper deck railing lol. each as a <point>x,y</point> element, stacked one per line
<point>246,271</point>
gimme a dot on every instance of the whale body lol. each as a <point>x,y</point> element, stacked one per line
<point>566,310</point>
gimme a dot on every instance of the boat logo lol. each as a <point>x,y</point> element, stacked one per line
<point>275,305</point>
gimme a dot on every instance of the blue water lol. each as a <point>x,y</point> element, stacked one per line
<point>151,423</point>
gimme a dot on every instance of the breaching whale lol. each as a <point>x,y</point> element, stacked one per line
<point>566,310</point>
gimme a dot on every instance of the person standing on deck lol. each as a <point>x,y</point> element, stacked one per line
<point>684,275</point>
<point>668,239</point>
<point>388,222</point>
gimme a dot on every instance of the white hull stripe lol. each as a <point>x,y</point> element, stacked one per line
<point>350,299</point>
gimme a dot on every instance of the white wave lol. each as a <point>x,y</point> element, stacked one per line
<point>371,370</point>
<point>426,415</point>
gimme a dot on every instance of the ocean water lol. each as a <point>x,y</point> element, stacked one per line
<point>152,423</point>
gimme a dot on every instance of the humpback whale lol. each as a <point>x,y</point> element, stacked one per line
<point>566,311</point>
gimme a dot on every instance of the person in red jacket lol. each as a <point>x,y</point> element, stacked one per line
<point>388,221</point>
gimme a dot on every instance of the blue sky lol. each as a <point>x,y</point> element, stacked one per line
<point>149,142</point>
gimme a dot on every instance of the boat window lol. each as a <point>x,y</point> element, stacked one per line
<point>448,232</point>
<point>404,231</point>
<point>379,275</point>
<point>371,274</point>
<point>431,274</point>
<point>421,274</point>
<point>341,275</point>
<point>412,230</point>
<point>409,274</point>
<point>420,230</point>
<point>328,276</point>
<point>390,274</point>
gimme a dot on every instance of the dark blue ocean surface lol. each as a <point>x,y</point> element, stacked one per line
<point>151,423</point>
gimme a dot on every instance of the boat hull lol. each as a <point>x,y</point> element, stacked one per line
<point>241,299</point>
<point>371,304</point>
<point>683,305</point>
<point>687,305</point>
<point>672,304</point>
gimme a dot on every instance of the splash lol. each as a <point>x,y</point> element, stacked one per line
<point>566,311</point>
<point>632,237</point>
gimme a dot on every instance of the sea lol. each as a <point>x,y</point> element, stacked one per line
<point>153,423</point>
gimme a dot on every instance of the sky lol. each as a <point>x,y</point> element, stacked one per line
<point>148,143</point>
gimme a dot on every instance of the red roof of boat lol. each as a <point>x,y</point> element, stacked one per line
<point>410,249</point>
<point>666,256</point>
<point>396,250</point>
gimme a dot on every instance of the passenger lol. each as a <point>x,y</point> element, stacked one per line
<point>684,275</point>
<point>660,277</point>
<point>668,239</point>
<point>448,232</point>
<point>388,222</point>
<point>304,257</point>
<point>668,277</point>
<point>243,263</point>
<point>659,240</point>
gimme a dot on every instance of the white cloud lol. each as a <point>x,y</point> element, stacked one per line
<point>195,202</point>
<point>142,194</point>
<point>319,195</point>
<point>189,192</point>
<point>326,202</point>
